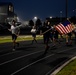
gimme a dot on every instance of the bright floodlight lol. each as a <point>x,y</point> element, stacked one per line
<point>50,17</point>
<point>35,18</point>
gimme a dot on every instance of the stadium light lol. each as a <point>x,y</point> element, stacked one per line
<point>35,19</point>
<point>74,11</point>
<point>50,17</point>
<point>60,16</point>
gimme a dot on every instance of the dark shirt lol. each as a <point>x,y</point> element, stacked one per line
<point>45,28</point>
<point>55,33</point>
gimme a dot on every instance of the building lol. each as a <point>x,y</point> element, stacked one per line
<point>6,15</point>
<point>6,12</point>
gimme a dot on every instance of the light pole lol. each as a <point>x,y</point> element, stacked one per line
<point>60,16</point>
<point>50,17</point>
<point>66,8</point>
<point>74,12</point>
<point>35,19</point>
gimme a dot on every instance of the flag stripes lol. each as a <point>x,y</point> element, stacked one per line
<point>64,28</point>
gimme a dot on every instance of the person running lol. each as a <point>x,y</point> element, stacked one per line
<point>33,32</point>
<point>69,39</point>
<point>51,34</point>
<point>55,36</point>
<point>74,31</point>
<point>46,34</point>
<point>15,33</point>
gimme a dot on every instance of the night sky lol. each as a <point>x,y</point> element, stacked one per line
<point>27,9</point>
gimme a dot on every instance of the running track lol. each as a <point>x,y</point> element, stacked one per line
<point>29,59</point>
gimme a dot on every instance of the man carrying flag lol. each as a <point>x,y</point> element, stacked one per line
<point>45,31</point>
<point>65,28</point>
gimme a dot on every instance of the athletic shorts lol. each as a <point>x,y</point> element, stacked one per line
<point>14,37</point>
<point>33,35</point>
<point>46,38</point>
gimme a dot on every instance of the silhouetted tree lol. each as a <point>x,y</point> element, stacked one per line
<point>38,23</point>
<point>31,23</point>
<point>73,19</point>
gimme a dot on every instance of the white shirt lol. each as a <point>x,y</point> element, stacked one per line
<point>13,29</point>
<point>33,30</point>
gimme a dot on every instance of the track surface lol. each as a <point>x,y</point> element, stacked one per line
<point>29,59</point>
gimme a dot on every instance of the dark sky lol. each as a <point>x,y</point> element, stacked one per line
<point>27,9</point>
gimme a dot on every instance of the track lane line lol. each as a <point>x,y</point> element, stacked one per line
<point>39,60</point>
<point>20,57</point>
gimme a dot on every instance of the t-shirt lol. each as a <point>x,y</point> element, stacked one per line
<point>33,30</point>
<point>14,30</point>
<point>45,28</point>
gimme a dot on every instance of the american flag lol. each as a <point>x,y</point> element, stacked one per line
<point>64,28</point>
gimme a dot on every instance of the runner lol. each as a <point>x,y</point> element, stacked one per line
<point>55,36</point>
<point>15,33</point>
<point>46,34</point>
<point>33,32</point>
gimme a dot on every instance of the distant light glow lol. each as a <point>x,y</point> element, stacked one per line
<point>50,17</point>
<point>18,19</point>
<point>60,11</point>
<point>35,18</point>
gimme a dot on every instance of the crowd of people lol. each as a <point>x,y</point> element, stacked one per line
<point>51,34</point>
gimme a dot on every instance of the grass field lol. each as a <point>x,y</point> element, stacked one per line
<point>5,39</point>
<point>69,69</point>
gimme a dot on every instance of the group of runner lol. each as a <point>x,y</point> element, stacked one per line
<point>47,30</point>
<point>51,34</point>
